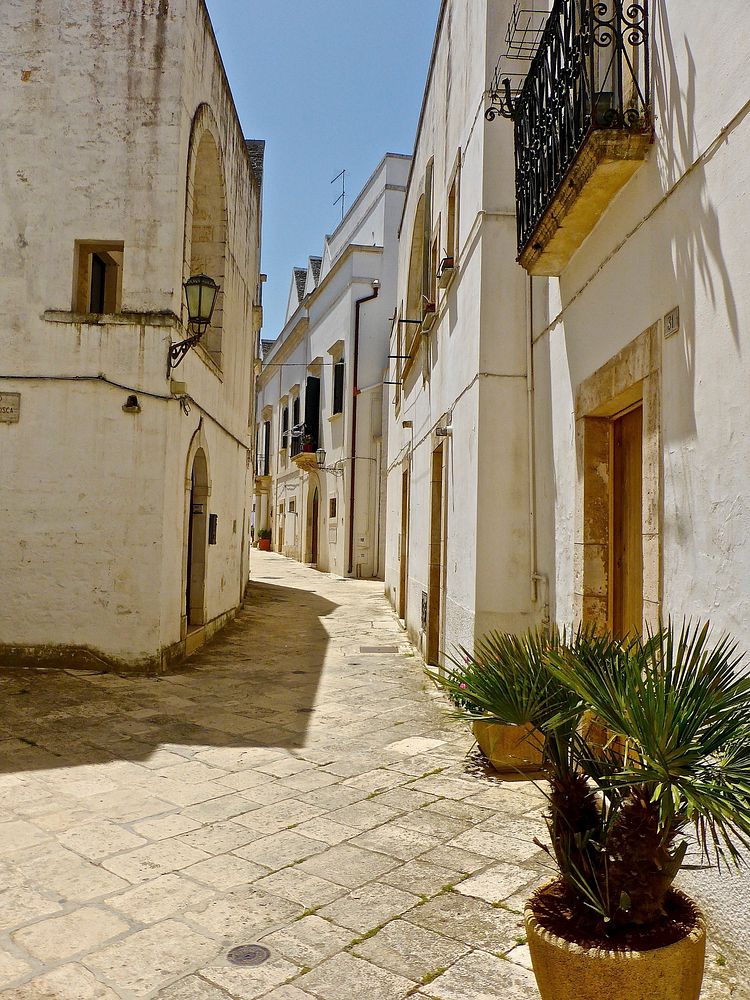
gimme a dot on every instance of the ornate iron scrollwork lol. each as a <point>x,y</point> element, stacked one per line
<point>178,351</point>
<point>590,71</point>
<point>501,100</point>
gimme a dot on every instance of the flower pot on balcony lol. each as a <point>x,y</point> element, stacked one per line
<point>509,749</point>
<point>568,971</point>
<point>307,447</point>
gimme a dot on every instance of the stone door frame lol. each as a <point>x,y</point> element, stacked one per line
<point>632,376</point>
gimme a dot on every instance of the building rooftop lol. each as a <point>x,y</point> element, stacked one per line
<point>256,149</point>
<point>300,278</point>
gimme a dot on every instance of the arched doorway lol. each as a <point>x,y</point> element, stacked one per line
<point>195,587</point>
<point>314,527</point>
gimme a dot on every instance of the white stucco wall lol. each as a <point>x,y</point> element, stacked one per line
<point>674,236</point>
<point>101,104</point>
<point>470,370</point>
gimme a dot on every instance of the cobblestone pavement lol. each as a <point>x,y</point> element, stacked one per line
<point>295,787</point>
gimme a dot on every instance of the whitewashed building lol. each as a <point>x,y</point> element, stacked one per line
<point>321,387</point>
<point>599,303</point>
<point>123,484</point>
<point>459,548</point>
<point>634,244</point>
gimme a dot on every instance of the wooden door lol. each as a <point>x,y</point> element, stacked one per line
<point>403,584</point>
<point>626,566</point>
<point>315,520</point>
<point>435,587</point>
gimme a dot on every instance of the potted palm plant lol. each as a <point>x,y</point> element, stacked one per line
<point>676,711</point>
<point>264,539</point>
<point>505,671</point>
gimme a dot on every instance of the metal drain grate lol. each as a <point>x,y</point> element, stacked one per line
<point>248,954</point>
<point>378,649</point>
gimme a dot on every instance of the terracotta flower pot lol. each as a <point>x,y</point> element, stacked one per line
<point>509,749</point>
<point>566,971</point>
<point>264,544</point>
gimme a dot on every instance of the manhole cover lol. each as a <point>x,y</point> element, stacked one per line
<point>248,954</point>
<point>378,649</point>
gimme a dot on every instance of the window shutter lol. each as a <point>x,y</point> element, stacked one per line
<point>338,387</point>
<point>296,440</point>
<point>266,447</point>
<point>312,409</point>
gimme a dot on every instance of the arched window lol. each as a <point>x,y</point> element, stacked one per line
<point>208,230</point>
<point>416,269</point>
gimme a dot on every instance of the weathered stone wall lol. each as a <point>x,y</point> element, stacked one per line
<point>98,107</point>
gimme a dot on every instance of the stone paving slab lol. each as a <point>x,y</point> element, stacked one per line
<point>284,788</point>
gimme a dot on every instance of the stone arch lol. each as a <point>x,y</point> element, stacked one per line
<point>195,559</point>
<point>206,218</point>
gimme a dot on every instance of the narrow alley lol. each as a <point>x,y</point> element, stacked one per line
<point>296,786</point>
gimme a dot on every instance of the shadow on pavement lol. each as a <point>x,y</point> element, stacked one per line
<point>254,685</point>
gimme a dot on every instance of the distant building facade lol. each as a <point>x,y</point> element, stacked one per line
<point>124,484</point>
<point>321,387</point>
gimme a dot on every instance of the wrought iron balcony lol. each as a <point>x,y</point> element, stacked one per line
<point>582,122</point>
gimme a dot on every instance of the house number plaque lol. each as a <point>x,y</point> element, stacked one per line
<point>10,407</point>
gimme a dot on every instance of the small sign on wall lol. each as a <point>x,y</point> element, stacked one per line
<point>672,322</point>
<point>10,407</point>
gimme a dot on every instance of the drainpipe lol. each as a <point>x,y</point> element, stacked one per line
<point>536,576</point>
<point>355,394</point>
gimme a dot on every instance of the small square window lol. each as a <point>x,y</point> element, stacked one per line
<point>98,277</point>
<point>292,506</point>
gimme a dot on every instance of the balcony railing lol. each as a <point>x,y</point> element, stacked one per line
<point>590,73</point>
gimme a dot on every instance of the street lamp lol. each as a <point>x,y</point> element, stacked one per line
<point>320,461</point>
<point>200,294</point>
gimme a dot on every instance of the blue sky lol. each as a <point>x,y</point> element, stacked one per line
<point>328,84</point>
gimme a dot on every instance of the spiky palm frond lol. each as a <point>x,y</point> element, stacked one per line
<point>680,699</point>
<point>641,738</point>
<point>505,680</point>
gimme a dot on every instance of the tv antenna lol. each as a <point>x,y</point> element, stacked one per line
<point>342,197</point>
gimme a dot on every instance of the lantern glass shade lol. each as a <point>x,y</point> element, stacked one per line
<point>200,294</point>
<point>320,457</point>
